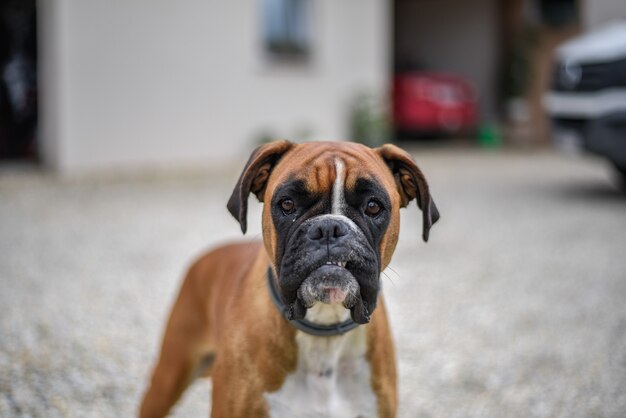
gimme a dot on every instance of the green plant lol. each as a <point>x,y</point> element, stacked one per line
<point>369,120</point>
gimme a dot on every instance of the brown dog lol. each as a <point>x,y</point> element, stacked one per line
<point>295,326</point>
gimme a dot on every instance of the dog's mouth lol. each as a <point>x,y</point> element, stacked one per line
<point>336,263</point>
<point>331,283</point>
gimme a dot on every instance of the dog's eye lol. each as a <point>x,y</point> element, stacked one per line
<point>287,206</point>
<point>373,208</point>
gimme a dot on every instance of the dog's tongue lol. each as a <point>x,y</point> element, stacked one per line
<point>336,295</point>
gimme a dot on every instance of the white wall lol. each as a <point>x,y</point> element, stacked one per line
<point>452,35</point>
<point>144,83</point>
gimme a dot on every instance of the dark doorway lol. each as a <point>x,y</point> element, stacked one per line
<point>18,79</point>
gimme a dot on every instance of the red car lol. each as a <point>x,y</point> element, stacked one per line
<point>428,102</point>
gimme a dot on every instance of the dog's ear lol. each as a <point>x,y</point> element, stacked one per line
<point>411,184</point>
<point>254,178</point>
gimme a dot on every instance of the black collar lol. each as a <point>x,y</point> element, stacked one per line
<point>302,324</point>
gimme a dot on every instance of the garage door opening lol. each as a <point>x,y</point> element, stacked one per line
<point>18,80</point>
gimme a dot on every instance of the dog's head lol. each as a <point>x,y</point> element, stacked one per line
<point>331,217</point>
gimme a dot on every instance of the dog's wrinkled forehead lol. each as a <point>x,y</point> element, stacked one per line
<point>329,173</point>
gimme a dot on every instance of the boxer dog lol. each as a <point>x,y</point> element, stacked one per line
<point>295,325</point>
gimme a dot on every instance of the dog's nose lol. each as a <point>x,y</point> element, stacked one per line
<point>328,231</point>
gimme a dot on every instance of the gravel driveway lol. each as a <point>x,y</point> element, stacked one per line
<point>516,308</point>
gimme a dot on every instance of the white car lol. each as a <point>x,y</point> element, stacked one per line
<point>587,101</point>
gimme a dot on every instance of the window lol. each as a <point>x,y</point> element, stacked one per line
<point>558,12</point>
<point>287,29</point>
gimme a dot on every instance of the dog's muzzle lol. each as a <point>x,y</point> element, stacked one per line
<point>329,260</point>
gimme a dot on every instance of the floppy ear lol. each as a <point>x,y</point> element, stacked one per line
<point>254,178</point>
<point>411,184</point>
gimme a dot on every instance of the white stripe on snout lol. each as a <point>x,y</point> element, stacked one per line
<point>338,199</point>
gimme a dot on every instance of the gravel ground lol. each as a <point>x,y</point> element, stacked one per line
<point>516,308</point>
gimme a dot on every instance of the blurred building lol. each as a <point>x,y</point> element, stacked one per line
<point>137,83</point>
<point>158,83</point>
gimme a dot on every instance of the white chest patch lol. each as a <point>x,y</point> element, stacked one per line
<point>332,378</point>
